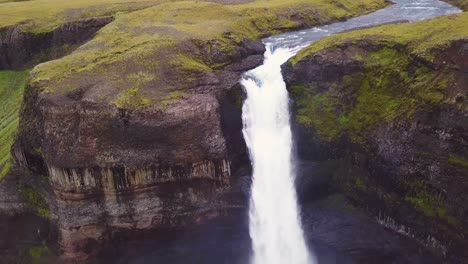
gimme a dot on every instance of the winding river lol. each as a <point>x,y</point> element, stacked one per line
<point>274,233</point>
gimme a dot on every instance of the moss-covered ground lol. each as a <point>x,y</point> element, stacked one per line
<point>427,202</point>
<point>34,200</point>
<point>142,57</point>
<point>12,84</point>
<point>390,87</point>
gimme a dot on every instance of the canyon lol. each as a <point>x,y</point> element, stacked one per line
<point>139,129</point>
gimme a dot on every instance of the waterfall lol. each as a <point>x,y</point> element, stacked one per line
<point>274,224</point>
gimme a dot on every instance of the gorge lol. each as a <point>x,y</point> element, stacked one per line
<point>130,149</point>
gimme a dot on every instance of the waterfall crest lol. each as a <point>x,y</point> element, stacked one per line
<point>274,224</point>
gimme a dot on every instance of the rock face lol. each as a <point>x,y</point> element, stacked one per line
<point>20,49</point>
<point>139,169</point>
<point>397,121</point>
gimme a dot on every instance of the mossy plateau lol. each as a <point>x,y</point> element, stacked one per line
<point>176,43</point>
<point>420,38</point>
<point>12,85</point>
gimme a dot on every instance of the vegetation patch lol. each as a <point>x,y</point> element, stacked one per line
<point>458,160</point>
<point>428,203</point>
<point>34,200</point>
<point>390,86</point>
<point>12,85</point>
<point>38,253</point>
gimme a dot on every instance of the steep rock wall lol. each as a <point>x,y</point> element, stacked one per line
<point>140,169</point>
<point>140,128</point>
<point>397,119</point>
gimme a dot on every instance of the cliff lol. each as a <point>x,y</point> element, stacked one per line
<point>140,128</point>
<point>390,104</point>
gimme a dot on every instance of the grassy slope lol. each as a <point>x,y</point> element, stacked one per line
<point>11,92</point>
<point>391,86</point>
<point>145,45</point>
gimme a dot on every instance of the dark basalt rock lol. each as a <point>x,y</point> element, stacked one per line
<point>113,170</point>
<point>411,168</point>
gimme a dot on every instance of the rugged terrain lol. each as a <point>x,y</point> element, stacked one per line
<point>389,105</point>
<point>139,128</point>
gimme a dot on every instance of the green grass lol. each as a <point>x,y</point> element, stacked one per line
<point>175,43</point>
<point>428,203</point>
<point>12,85</point>
<point>38,253</point>
<point>35,201</point>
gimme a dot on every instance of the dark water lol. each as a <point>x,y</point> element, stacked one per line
<point>336,233</point>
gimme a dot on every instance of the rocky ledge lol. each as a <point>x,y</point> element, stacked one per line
<point>390,105</point>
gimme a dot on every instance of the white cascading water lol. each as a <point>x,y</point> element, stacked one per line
<point>275,225</point>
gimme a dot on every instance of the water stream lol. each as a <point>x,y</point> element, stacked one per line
<point>275,226</point>
<point>274,217</point>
